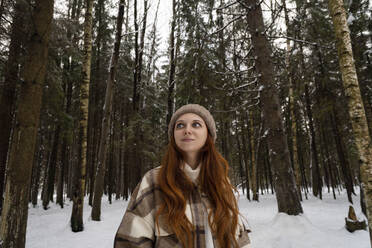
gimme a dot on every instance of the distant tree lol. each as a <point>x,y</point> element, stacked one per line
<point>292,102</point>
<point>172,63</point>
<point>80,172</point>
<point>106,121</point>
<point>101,56</point>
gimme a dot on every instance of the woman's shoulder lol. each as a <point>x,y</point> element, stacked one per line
<point>151,175</point>
<point>149,180</point>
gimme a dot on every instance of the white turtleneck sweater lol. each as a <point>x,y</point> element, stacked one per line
<point>193,175</point>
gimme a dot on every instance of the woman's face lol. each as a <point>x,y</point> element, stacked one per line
<point>190,133</point>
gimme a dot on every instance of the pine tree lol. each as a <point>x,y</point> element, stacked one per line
<point>106,121</point>
<point>11,78</point>
<point>285,187</point>
<point>15,208</point>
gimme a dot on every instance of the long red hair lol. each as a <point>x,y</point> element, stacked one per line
<point>213,179</point>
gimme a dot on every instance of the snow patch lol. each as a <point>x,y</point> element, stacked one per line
<point>321,226</point>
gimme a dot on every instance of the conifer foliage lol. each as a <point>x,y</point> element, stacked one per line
<point>275,75</point>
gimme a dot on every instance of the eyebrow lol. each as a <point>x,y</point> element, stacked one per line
<point>192,120</point>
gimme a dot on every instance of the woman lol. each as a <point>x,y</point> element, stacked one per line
<point>188,201</point>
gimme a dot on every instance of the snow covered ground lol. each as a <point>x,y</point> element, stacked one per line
<point>321,226</point>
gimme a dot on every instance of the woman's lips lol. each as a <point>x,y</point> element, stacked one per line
<point>187,140</point>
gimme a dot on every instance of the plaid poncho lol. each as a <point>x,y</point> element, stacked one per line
<point>138,228</point>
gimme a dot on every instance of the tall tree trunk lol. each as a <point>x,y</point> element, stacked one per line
<point>94,100</point>
<point>342,156</point>
<point>52,164</point>
<point>65,147</point>
<point>141,51</point>
<point>150,68</point>
<point>8,93</point>
<point>127,185</point>
<point>109,177</point>
<point>15,208</point>
<point>327,160</point>
<point>317,183</point>
<point>36,169</point>
<point>136,59</point>
<point>138,46</point>
<point>246,160</point>
<point>79,184</point>
<point>284,181</point>
<point>117,148</point>
<point>49,142</point>
<point>45,163</point>
<point>67,87</point>
<point>60,179</point>
<point>122,151</point>
<point>267,159</point>
<point>253,152</point>
<point>106,121</point>
<point>355,103</point>
<point>172,69</point>
<point>367,102</point>
<point>240,155</point>
<point>292,104</point>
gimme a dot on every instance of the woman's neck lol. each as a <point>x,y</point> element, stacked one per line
<point>192,160</point>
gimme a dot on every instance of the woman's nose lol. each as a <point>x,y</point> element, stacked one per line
<point>187,129</point>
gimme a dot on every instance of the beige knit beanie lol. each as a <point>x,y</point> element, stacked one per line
<point>195,109</point>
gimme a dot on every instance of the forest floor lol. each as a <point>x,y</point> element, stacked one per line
<point>321,226</point>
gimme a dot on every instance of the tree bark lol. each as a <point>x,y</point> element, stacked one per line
<point>317,183</point>
<point>136,171</point>
<point>150,67</point>
<point>240,154</point>
<point>136,59</point>
<point>106,121</point>
<point>111,162</point>
<point>292,104</point>
<point>284,182</point>
<point>117,133</point>
<point>36,169</point>
<point>246,159</point>
<point>342,156</point>
<point>79,184</point>
<point>172,69</point>
<point>355,102</point>
<point>8,93</point>
<point>15,208</point>
<point>141,51</point>
<point>253,162</point>
<point>94,100</point>
<point>65,147</point>
<point>52,164</point>
<point>327,161</point>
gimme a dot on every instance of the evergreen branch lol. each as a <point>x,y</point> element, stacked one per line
<point>226,6</point>
<point>224,27</point>
<point>241,106</point>
<point>299,41</point>
<point>233,72</point>
<point>249,7</point>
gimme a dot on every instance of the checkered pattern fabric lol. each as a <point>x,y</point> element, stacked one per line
<point>138,228</point>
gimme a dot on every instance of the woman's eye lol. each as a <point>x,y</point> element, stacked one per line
<point>196,124</point>
<point>179,125</point>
